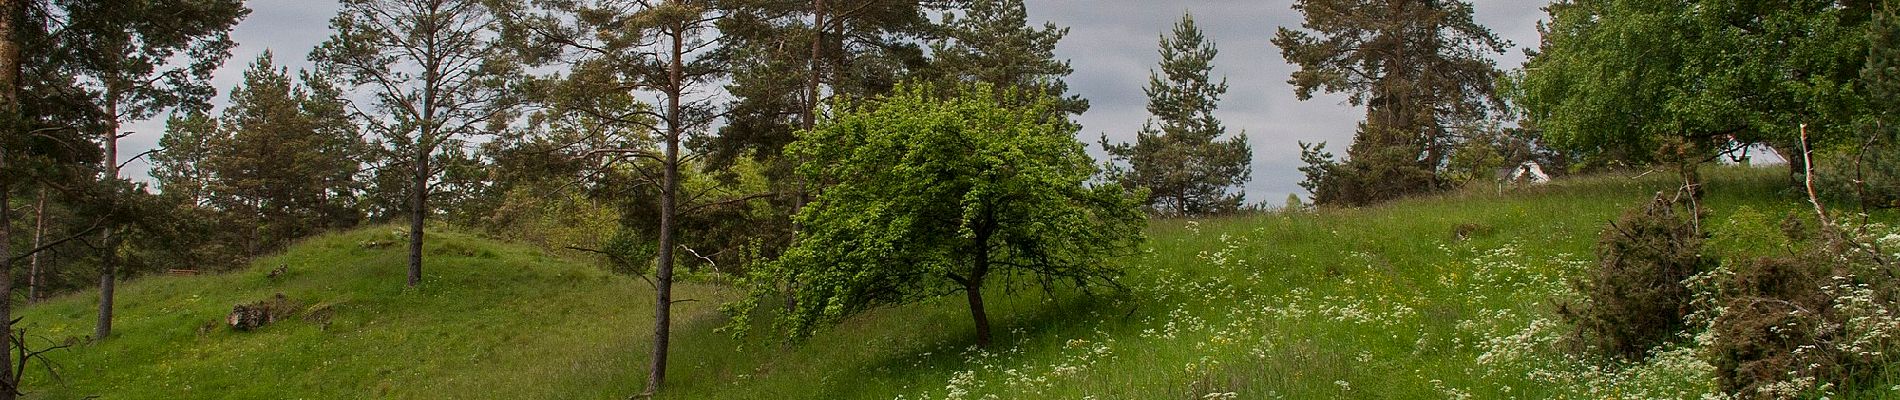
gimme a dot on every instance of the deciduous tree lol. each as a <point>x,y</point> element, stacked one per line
<point>1679,81</point>
<point>934,196</point>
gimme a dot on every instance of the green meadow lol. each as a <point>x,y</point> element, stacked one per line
<point>1451,296</point>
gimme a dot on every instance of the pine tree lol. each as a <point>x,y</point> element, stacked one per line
<point>1419,67</point>
<point>1178,155</point>
<point>788,57</point>
<point>992,42</point>
<point>141,58</point>
<point>285,159</point>
<point>437,73</point>
<point>179,165</point>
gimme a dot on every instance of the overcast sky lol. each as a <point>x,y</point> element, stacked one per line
<point>1111,44</point>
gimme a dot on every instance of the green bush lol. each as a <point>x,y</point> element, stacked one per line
<point>1635,298</point>
<point>1819,317</point>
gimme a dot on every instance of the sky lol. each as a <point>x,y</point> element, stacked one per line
<point>1112,45</point>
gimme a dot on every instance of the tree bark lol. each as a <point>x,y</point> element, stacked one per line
<point>669,208</point>
<point>39,235</point>
<point>9,387</point>
<point>809,118</point>
<point>11,118</point>
<point>973,287</point>
<point>982,319</point>
<point>108,258</point>
<point>418,210</point>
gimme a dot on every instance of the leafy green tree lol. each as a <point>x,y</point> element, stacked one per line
<point>933,196</point>
<point>1420,68</point>
<point>1680,81</point>
<point>788,57</point>
<point>139,58</point>
<point>991,41</point>
<point>1178,155</point>
<point>435,70</point>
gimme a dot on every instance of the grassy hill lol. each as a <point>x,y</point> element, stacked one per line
<point>1445,297</point>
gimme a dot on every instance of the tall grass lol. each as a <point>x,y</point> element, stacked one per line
<point>1444,297</point>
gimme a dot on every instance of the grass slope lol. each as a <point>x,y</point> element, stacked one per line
<point>1383,302</point>
<point>490,320</point>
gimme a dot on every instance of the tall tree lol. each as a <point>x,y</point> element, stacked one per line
<point>140,58</point>
<point>281,160</point>
<point>616,51</point>
<point>13,120</point>
<point>179,166</point>
<point>991,41</point>
<point>1179,155</point>
<point>48,122</point>
<point>787,57</point>
<point>934,196</point>
<point>1678,81</point>
<point>436,73</point>
<point>1420,68</point>
<point>285,160</point>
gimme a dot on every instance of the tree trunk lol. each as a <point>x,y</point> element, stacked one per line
<point>669,208</point>
<point>109,257</point>
<point>418,210</point>
<point>39,235</point>
<point>973,287</point>
<point>982,319</point>
<point>809,118</point>
<point>10,120</point>
<point>9,387</point>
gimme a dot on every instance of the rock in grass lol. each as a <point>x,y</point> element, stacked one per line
<point>245,317</point>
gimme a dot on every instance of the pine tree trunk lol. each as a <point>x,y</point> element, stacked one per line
<point>669,208</point>
<point>39,235</point>
<point>807,120</point>
<point>418,210</point>
<point>109,257</point>
<point>9,387</point>
<point>10,119</point>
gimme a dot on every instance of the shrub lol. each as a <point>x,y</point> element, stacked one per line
<point>1867,173</point>
<point>1379,175</point>
<point>1819,317</point>
<point>1635,298</point>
